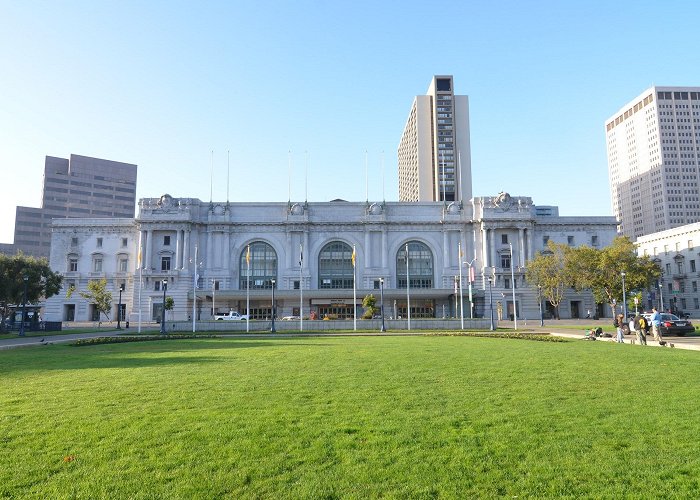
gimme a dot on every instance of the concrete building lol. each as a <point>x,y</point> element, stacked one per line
<point>236,253</point>
<point>653,145</point>
<point>434,153</point>
<point>77,187</point>
<point>677,252</point>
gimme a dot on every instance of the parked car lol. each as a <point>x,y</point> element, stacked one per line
<point>231,315</point>
<point>673,325</point>
<point>290,318</point>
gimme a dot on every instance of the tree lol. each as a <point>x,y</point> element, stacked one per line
<point>601,271</point>
<point>370,305</point>
<point>169,303</point>
<point>42,282</point>
<point>551,270</point>
<point>98,295</point>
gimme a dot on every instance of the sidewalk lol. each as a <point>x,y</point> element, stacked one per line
<point>577,329</point>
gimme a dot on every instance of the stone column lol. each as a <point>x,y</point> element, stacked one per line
<point>521,246</point>
<point>149,249</point>
<point>178,249</point>
<point>185,249</point>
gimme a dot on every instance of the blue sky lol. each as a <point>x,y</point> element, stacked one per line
<point>162,84</point>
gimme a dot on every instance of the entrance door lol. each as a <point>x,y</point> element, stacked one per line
<point>575,309</point>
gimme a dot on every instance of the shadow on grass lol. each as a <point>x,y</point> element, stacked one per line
<point>130,355</point>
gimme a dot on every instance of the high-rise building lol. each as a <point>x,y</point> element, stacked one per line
<point>434,153</point>
<point>653,147</point>
<point>77,187</point>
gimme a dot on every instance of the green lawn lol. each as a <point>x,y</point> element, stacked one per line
<point>351,417</point>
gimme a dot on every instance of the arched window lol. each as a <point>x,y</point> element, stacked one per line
<point>335,266</point>
<point>420,265</point>
<point>263,266</point>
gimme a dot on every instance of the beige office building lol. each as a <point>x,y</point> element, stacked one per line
<point>77,187</point>
<point>434,152</point>
<point>652,148</point>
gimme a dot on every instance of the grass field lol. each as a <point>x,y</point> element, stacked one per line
<point>353,417</point>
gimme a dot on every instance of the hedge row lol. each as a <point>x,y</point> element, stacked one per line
<point>140,338</point>
<point>541,337</point>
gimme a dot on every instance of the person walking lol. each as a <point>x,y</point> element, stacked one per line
<point>655,319</point>
<point>620,324</point>
<point>640,325</point>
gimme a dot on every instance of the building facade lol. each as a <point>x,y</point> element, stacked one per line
<point>76,187</point>
<point>677,252</point>
<point>653,149</point>
<point>320,258</point>
<point>434,154</point>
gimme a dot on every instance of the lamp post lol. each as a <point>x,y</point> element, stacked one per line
<point>272,328</point>
<point>469,280</point>
<point>624,297</point>
<point>162,318</point>
<point>381,306</point>
<point>119,307</point>
<point>25,278</point>
<point>512,278</point>
<point>491,302</point>
<point>539,297</point>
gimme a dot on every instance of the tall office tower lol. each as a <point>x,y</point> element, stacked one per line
<point>77,187</point>
<point>434,152</point>
<point>653,147</point>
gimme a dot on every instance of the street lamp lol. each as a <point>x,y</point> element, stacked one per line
<point>539,297</point>
<point>162,317</point>
<point>272,328</point>
<point>25,278</point>
<point>491,302</point>
<point>381,307</point>
<point>624,297</point>
<point>119,307</point>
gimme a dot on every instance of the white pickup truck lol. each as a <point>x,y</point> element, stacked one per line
<point>231,315</point>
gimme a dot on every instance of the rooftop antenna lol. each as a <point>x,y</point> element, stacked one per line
<point>306,178</point>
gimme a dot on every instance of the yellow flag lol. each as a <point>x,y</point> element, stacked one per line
<point>247,255</point>
<point>138,258</point>
<point>353,256</point>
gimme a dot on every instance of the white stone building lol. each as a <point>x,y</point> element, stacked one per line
<point>307,250</point>
<point>677,252</point>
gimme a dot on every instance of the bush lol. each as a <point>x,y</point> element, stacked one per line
<point>142,338</point>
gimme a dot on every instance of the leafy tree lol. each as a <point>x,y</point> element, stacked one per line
<point>42,282</point>
<point>601,271</point>
<point>98,295</point>
<point>370,305</point>
<point>169,303</point>
<point>551,270</point>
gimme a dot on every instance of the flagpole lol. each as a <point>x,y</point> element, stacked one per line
<point>354,291</point>
<point>461,295</point>
<point>194,293</point>
<point>301,288</point>
<point>408,291</point>
<point>247,292</point>
<point>140,275</point>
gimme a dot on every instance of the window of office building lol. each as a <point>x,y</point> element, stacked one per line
<point>166,240</point>
<point>420,266</point>
<point>73,264</point>
<point>97,264</point>
<point>165,263</point>
<point>261,259</point>
<point>335,269</point>
<point>99,242</point>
